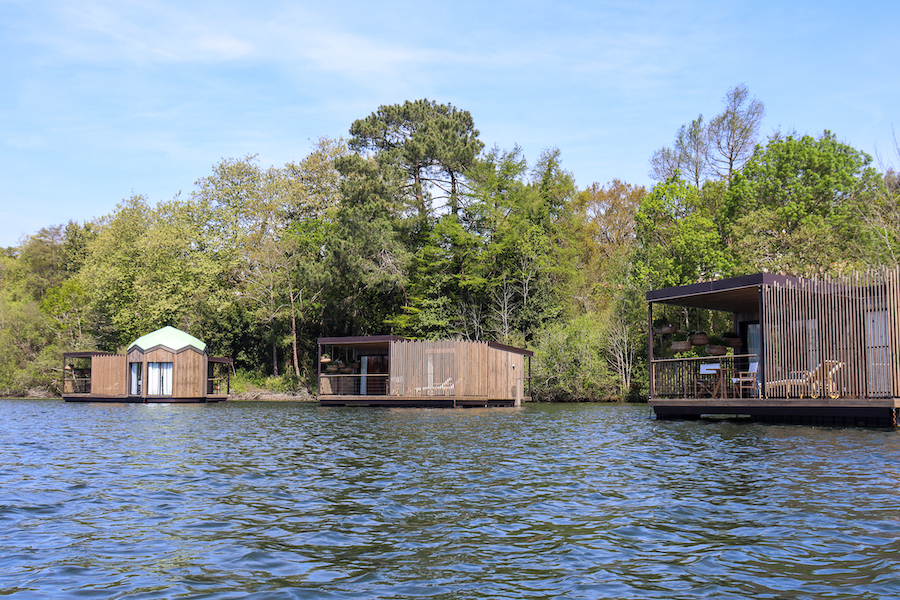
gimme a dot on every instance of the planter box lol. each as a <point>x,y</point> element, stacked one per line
<point>716,350</point>
<point>699,339</point>
<point>680,346</point>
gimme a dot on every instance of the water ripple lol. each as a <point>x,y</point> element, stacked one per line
<point>256,500</point>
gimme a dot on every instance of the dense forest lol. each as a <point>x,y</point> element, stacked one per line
<point>412,226</point>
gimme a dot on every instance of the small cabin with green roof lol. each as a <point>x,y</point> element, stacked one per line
<point>167,365</point>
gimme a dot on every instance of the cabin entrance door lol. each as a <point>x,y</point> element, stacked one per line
<point>373,375</point>
<point>136,383</point>
<point>878,354</point>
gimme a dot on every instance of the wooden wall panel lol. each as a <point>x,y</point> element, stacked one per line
<point>160,355</point>
<point>189,377</point>
<point>852,320</point>
<point>108,375</point>
<point>455,368</point>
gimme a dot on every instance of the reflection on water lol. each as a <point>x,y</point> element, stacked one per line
<point>285,500</point>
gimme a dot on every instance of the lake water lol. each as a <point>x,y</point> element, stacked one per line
<point>289,500</point>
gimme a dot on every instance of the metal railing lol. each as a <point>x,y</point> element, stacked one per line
<point>79,385</point>
<point>217,386</point>
<point>704,377</point>
<point>353,385</point>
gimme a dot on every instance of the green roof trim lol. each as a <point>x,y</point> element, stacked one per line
<point>171,338</point>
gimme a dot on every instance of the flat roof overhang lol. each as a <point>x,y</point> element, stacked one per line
<point>86,354</point>
<point>363,343</point>
<point>735,294</point>
<point>382,342</point>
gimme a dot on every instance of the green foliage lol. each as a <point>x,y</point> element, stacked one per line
<point>432,144</point>
<point>678,241</point>
<point>249,382</point>
<point>799,206</point>
<point>569,362</point>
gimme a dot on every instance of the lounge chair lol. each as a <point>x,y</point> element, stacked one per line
<point>813,383</point>
<point>429,390</point>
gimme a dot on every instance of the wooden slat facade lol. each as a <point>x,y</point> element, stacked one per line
<point>108,375</point>
<point>463,368</point>
<point>437,373</point>
<point>848,328</point>
<point>832,343</point>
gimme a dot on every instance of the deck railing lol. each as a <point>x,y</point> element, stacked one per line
<point>352,384</point>
<point>218,386</point>
<point>79,385</point>
<point>688,378</point>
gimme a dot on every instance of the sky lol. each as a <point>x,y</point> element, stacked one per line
<point>104,99</point>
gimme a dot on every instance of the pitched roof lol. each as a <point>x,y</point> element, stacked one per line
<point>171,338</point>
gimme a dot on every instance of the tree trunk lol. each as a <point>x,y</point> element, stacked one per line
<point>274,358</point>
<point>294,334</point>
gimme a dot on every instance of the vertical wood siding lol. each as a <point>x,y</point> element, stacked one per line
<point>108,375</point>
<point>189,370</point>
<point>455,368</point>
<point>852,320</point>
<point>190,375</point>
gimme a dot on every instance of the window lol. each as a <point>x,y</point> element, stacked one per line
<point>159,379</point>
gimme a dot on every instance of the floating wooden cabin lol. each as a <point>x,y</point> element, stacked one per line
<point>394,371</point>
<point>810,351</point>
<point>167,365</point>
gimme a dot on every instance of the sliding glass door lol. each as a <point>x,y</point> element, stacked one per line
<point>159,379</point>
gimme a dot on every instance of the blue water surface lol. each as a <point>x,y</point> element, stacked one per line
<point>289,500</point>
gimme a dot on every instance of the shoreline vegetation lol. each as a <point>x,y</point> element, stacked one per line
<point>414,226</point>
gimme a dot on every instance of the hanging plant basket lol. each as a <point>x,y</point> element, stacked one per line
<point>733,342</point>
<point>716,350</point>
<point>665,329</point>
<point>699,339</point>
<point>680,346</point>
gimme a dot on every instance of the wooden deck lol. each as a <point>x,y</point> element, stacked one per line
<point>864,412</point>
<point>415,401</point>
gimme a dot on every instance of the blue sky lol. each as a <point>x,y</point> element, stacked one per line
<point>101,99</point>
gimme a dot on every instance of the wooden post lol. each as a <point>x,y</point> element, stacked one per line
<point>761,364</point>
<point>650,347</point>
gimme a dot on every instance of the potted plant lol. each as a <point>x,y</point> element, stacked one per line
<point>680,343</point>
<point>663,327</point>
<point>732,339</point>
<point>716,346</point>
<point>699,338</point>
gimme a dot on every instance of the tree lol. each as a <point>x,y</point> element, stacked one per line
<point>798,206</point>
<point>365,259</point>
<point>733,133</point>
<point>432,144</point>
<point>110,271</point>
<point>677,239</point>
<point>689,155</point>
<point>719,148</point>
<point>603,234</point>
